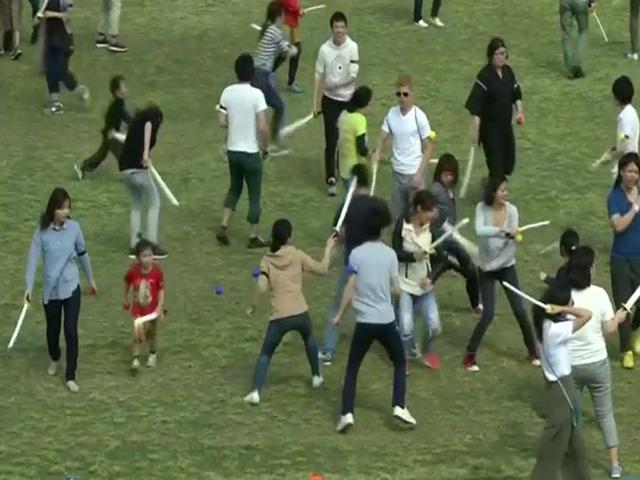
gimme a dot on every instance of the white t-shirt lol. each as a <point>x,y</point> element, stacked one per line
<point>242,102</point>
<point>338,63</point>
<point>628,130</point>
<point>588,344</point>
<point>408,132</point>
<point>556,356</point>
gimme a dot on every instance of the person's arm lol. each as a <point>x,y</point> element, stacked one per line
<point>347,297</point>
<point>264,136</point>
<point>160,307</point>
<point>146,158</point>
<point>618,221</point>
<point>482,229</point>
<point>35,250</point>
<point>424,130</point>
<point>611,325</point>
<point>318,83</point>
<point>517,99</point>
<point>126,304</point>
<point>361,145</point>
<point>83,258</point>
<point>385,133</point>
<point>581,315</point>
<point>322,267</point>
<point>397,243</point>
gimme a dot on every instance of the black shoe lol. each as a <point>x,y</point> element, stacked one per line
<point>332,190</point>
<point>571,75</point>
<point>159,253</point>
<point>102,41</point>
<point>257,242</point>
<point>579,72</point>
<point>34,34</point>
<point>16,53</point>
<point>116,47</point>
<point>221,236</point>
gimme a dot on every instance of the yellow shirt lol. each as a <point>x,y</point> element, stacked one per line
<point>350,126</point>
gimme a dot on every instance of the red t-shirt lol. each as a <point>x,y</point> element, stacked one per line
<point>291,9</point>
<point>146,289</point>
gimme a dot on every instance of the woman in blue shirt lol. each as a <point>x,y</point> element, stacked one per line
<point>59,241</point>
<point>623,205</point>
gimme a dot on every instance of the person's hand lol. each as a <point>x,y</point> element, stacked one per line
<point>520,119</point>
<point>146,161</point>
<point>331,241</point>
<point>425,283</point>
<point>336,320</point>
<point>265,155</point>
<point>555,309</point>
<point>511,232</point>
<point>160,313</point>
<point>620,316</point>
<point>592,7</point>
<point>302,12</point>
<point>250,310</point>
<point>93,289</point>
<point>543,276</point>
<point>636,206</point>
<point>126,305</point>
<point>420,255</point>
<point>316,111</point>
<point>417,180</point>
<point>27,297</point>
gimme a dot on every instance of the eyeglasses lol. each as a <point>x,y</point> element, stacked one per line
<point>402,94</point>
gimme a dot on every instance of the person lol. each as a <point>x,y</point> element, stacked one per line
<point>60,242</point>
<point>435,9</point>
<point>561,449</point>
<point>589,357</point>
<point>623,205</point>
<point>496,226</point>
<point>243,112</point>
<point>293,12</point>
<point>116,121</point>
<point>491,101</point>
<point>452,255</point>
<point>58,48</point>
<point>144,295</point>
<point>634,14</point>
<point>10,15</point>
<point>134,162</point>
<point>108,30</point>
<point>411,240</point>
<point>352,127</point>
<point>569,243</point>
<point>271,44</point>
<point>281,274</point>
<point>578,10</point>
<point>373,279</point>
<point>335,82</point>
<point>352,236</point>
<point>410,130</point>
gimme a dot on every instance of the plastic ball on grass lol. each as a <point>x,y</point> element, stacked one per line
<point>256,272</point>
<point>219,290</point>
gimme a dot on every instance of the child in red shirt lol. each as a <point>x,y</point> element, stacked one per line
<point>146,281</point>
<point>293,11</point>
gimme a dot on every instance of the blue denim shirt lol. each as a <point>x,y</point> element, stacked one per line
<point>59,248</point>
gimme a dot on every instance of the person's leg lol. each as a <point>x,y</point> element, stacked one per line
<point>53,62</point>
<point>103,21</point>
<point>622,289</point>
<point>279,109</point>
<point>389,338</point>
<point>363,336</point>
<point>488,294</point>
<point>417,10</point>
<point>331,110</point>
<point>294,63</point>
<point>16,16</point>
<point>132,182</point>
<point>428,305</point>
<point>113,19</point>
<point>71,314</point>
<point>153,212</point>
<point>272,338</point>
<point>67,78</point>
<point>236,183</point>
<point>634,14</point>
<point>435,8</point>
<point>253,177</point>
<point>35,6</point>
<point>399,194</point>
<point>330,340</point>
<point>406,321</point>
<point>601,398</point>
<point>566,24</point>
<point>53,316</point>
<point>303,326</point>
<point>94,161</point>
<point>493,153</point>
<point>510,275</point>
<point>150,334</point>
<point>467,269</point>
<point>509,155</point>
<point>582,18</point>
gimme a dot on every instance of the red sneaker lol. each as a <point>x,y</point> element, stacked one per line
<point>469,362</point>
<point>431,360</point>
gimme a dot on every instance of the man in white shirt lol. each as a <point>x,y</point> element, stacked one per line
<point>335,82</point>
<point>409,128</point>
<point>242,110</point>
<point>628,125</point>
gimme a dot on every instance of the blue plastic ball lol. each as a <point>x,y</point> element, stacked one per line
<point>219,290</point>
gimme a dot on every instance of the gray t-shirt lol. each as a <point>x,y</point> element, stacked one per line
<point>497,251</point>
<point>376,268</point>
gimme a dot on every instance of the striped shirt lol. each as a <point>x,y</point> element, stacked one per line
<point>271,45</point>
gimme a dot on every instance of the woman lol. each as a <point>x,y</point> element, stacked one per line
<point>60,243</point>
<point>435,9</point>
<point>561,447</point>
<point>589,358</point>
<point>496,228</point>
<point>623,205</point>
<point>134,162</point>
<point>281,275</point>
<point>634,14</point>
<point>411,241</point>
<point>373,276</point>
<point>10,15</point>
<point>491,102</point>
<point>452,255</point>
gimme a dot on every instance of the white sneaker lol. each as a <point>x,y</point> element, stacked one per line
<point>631,56</point>
<point>135,365</point>
<point>317,381</point>
<point>422,24</point>
<point>83,93</point>
<point>79,171</point>
<point>436,22</point>
<point>536,362</point>
<point>72,386</point>
<point>344,423</point>
<point>616,471</point>
<point>53,369</point>
<point>403,414</point>
<point>152,361</point>
<point>253,398</point>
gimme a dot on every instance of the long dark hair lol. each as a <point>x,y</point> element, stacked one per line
<point>558,293</point>
<point>627,158</point>
<point>491,189</point>
<point>56,201</point>
<point>360,99</point>
<point>579,267</point>
<point>496,43</point>
<point>446,163</point>
<point>280,234</point>
<point>569,242</point>
<point>274,10</point>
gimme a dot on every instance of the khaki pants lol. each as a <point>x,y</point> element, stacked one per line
<point>109,22</point>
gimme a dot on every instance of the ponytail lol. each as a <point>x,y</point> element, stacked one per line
<point>280,234</point>
<point>569,242</point>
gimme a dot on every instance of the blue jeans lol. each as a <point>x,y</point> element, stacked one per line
<point>428,305</point>
<point>266,81</point>
<point>330,331</point>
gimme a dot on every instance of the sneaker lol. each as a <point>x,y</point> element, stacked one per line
<point>317,381</point>
<point>256,242</point>
<point>422,24</point>
<point>102,41</point>
<point>159,253</point>
<point>253,398</point>
<point>221,236</point>
<point>432,360</point>
<point>325,357</point>
<point>616,471</point>
<point>631,56</point>
<point>152,361</point>
<point>436,22</point>
<point>344,423</point>
<point>469,362</point>
<point>579,73</point>
<point>401,413</point>
<point>628,360</point>
<point>79,171</point>
<point>53,369</point>
<point>332,190</point>
<point>636,342</point>
<point>116,47</point>
<point>15,54</point>
<point>295,88</point>
<point>83,93</point>
<point>135,365</point>
<point>72,386</point>
<point>478,310</point>
<point>534,359</point>
<point>55,108</point>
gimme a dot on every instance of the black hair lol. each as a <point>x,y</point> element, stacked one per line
<point>376,217</point>
<point>115,83</point>
<point>274,11</point>
<point>496,43</point>
<point>360,99</point>
<point>627,158</point>
<point>143,245</point>
<point>150,113</point>
<point>280,234</point>
<point>244,67</point>
<point>491,188</point>
<point>579,267</point>
<point>56,201</point>
<point>360,172</point>
<point>338,17</point>
<point>446,163</point>
<point>558,293</point>
<point>424,200</point>
<point>569,242</point>
<point>622,90</point>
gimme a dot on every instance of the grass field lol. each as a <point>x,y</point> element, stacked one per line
<point>186,419</point>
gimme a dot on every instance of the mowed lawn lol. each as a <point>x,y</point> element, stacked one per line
<point>186,419</point>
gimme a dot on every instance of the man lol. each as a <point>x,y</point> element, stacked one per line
<point>109,27</point>
<point>578,10</point>
<point>10,14</point>
<point>242,111</point>
<point>335,82</point>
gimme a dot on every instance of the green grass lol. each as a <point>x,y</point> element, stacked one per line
<point>187,419</point>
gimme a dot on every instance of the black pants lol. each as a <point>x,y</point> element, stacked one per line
<point>294,62</point>
<point>331,110</point>
<point>417,9</point>
<point>488,282</point>
<point>499,145</point>
<point>56,68</point>
<point>388,336</point>
<point>453,257</point>
<point>53,313</point>
<point>107,145</point>
<point>625,278</point>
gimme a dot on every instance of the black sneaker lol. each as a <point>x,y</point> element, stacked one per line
<point>579,73</point>
<point>54,108</point>
<point>221,236</point>
<point>117,47</point>
<point>102,41</point>
<point>34,34</point>
<point>257,242</point>
<point>16,53</point>
<point>159,253</point>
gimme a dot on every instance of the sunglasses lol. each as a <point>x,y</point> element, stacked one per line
<point>402,94</point>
